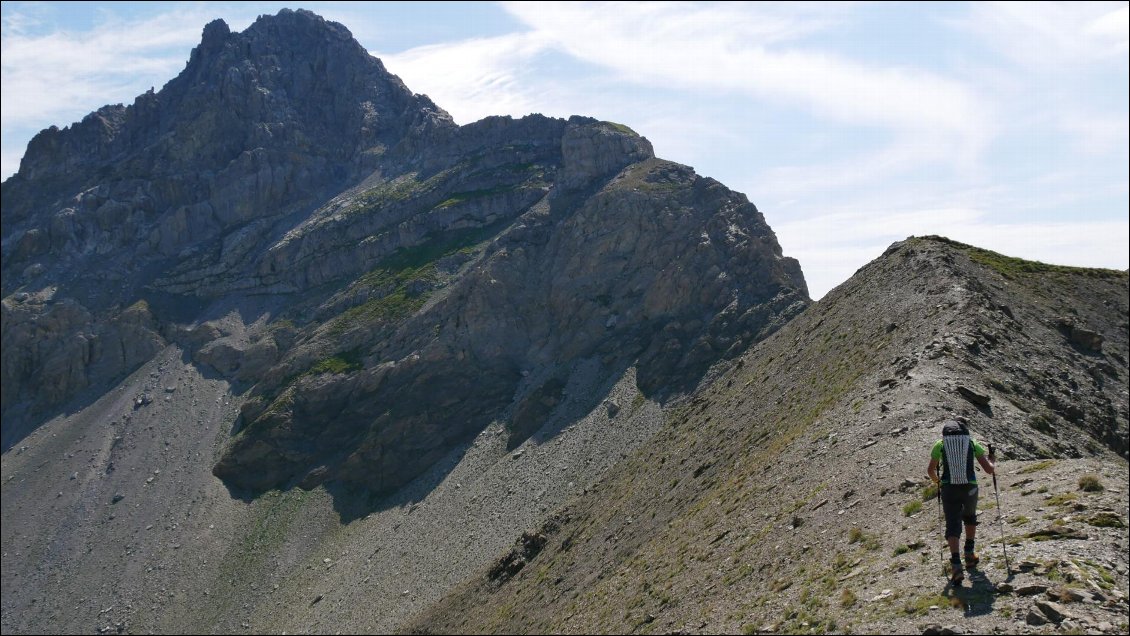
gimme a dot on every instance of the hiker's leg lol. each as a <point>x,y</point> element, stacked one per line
<point>969,516</point>
<point>969,512</point>
<point>953,501</point>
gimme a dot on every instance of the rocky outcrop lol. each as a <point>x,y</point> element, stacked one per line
<point>54,349</point>
<point>591,152</point>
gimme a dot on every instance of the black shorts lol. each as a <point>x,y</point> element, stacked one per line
<point>960,504</point>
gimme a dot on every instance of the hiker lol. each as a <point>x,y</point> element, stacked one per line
<point>958,484</point>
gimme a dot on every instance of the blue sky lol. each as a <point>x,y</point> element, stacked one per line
<point>849,125</point>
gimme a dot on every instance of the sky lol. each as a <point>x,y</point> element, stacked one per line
<point>849,125</point>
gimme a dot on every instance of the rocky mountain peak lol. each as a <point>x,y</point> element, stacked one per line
<point>215,35</point>
<point>290,109</point>
<point>285,82</point>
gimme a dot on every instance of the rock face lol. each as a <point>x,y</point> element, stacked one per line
<point>606,272</point>
<point>383,282</point>
<point>56,348</point>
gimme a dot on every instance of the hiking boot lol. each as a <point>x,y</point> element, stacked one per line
<point>971,560</point>
<point>957,575</point>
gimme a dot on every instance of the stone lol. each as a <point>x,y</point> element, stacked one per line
<point>1064,594</point>
<point>978,399</point>
<point>1087,339</point>
<point>1035,618</point>
<point>882,595</point>
<point>1053,611</point>
<point>1058,532</point>
<point>612,407</point>
<point>1031,590</point>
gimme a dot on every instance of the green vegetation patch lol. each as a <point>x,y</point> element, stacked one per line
<point>912,508</point>
<point>921,605</point>
<point>1062,499</point>
<point>390,308</point>
<point>620,128</point>
<point>460,197</point>
<point>1090,483</point>
<point>409,274</point>
<point>867,540</point>
<point>273,516</point>
<point>402,188</point>
<point>405,262</point>
<point>140,305</point>
<point>1012,267</point>
<point>341,363</point>
<point>1040,465</point>
<point>1106,520</point>
<point>929,492</point>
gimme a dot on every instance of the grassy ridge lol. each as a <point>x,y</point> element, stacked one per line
<point>1012,267</point>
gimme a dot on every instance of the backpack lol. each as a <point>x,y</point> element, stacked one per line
<point>957,454</point>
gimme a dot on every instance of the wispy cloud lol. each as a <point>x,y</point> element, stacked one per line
<point>1113,28</point>
<point>475,78</point>
<point>1052,36</point>
<point>59,75</point>
<point>747,52</point>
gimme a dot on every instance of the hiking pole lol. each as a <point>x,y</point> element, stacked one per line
<point>1000,513</point>
<point>942,519</point>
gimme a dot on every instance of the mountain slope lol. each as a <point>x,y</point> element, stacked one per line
<point>775,496</point>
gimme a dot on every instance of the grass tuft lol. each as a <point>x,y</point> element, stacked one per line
<point>1090,483</point>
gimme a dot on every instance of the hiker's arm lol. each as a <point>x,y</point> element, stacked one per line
<point>987,464</point>
<point>932,470</point>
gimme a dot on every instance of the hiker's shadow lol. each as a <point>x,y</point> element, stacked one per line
<point>975,600</point>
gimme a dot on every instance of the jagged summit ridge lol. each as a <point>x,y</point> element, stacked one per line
<point>259,124</point>
<point>287,70</point>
